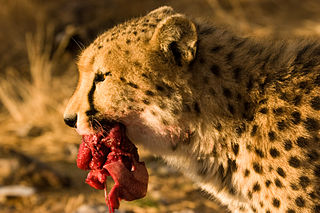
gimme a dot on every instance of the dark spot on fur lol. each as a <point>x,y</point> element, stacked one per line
<point>232,191</point>
<point>133,85</point>
<point>235,148</point>
<point>278,111</point>
<point>296,117</point>
<point>159,88</point>
<point>263,101</point>
<point>165,122</point>
<point>250,84</point>
<point>300,202</point>
<point>274,152</point>
<point>215,69</point>
<point>302,142</point>
<point>276,202</point>
<point>257,168</point>
<point>294,162</point>
<point>253,209</point>
<point>146,101</point>
<point>230,56</point>
<point>303,84</point>
<point>290,211</point>
<point>317,80</point>
<point>221,171</point>
<point>128,41</point>
<point>287,145</point>
<point>281,125</point>
<point>240,129</point>
<point>317,171</point>
<point>312,124</point>
<point>263,110</point>
<point>256,187</point>
<point>232,165</point>
<point>236,74</point>
<point>281,172</point>
<point>313,155</point>
<point>137,64</point>
<point>254,130</point>
<point>196,107</point>
<point>144,75</point>
<point>294,187</point>
<point>249,194</point>
<point>304,181</point>
<point>278,183</point>
<point>317,209</point>
<point>272,135</point>
<point>259,152</point>
<point>219,127</point>
<point>270,168</point>
<point>175,111</point>
<point>312,195</point>
<point>268,182</point>
<point>246,173</point>
<point>149,93</point>
<point>99,47</point>
<point>227,93</point>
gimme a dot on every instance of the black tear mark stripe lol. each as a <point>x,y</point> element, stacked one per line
<point>92,111</point>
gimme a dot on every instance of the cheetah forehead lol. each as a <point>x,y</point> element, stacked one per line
<point>136,30</point>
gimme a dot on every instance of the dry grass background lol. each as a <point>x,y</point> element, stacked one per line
<point>40,41</point>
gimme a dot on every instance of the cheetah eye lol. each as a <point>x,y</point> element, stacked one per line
<point>101,76</point>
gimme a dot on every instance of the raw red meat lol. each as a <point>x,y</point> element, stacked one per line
<point>110,153</point>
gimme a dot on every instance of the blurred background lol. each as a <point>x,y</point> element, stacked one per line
<point>40,41</point>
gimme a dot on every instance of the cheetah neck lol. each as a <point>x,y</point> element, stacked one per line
<point>231,78</point>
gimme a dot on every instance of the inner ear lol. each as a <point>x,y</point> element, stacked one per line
<point>173,47</point>
<point>176,36</point>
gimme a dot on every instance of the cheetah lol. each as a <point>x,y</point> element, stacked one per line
<point>240,117</point>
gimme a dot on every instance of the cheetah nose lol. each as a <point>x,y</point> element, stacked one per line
<point>71,120</point>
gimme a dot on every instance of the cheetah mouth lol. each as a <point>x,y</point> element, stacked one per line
<point>109,152</point>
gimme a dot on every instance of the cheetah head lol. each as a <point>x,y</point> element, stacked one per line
<point>137,74</point>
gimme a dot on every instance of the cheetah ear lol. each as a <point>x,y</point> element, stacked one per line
<point>176,36</point>
<point>161,11</point>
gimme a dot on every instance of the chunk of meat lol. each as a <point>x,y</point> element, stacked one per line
<point>110,153</point>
